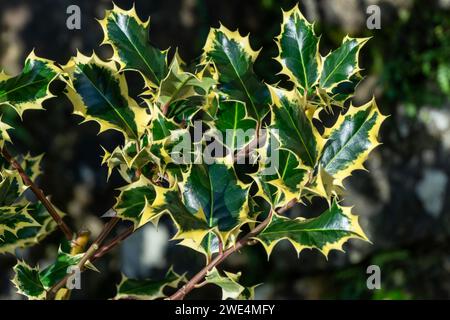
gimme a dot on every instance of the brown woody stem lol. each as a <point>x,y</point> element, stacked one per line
<point>86,257</point>
<point>193,283</point>
<point>39,194</point>
<point>111,245</point>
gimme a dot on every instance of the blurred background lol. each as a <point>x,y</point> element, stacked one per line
<point>403,202</point>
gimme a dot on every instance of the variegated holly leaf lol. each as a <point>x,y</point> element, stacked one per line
<point>298,50</point>
<point>130,158</point>
<point>322,185</point>
<point>350,140</point>
<point>119,159</point>
<point>14,218</point>
<point>293,128</point>
<point>31,235</point>
<point>29,89</point>
<point>28,282</point>
<point>180,85</point>
<point>147,289</point>
<point>231,289</point>
<point>232,126</point>
<point>11,187</point>
<point>4,135</point>
<point>166,137</point>
<point>281,177</point>
<point>190,225</point>
<point>326,232</point>
<point>215,191</point>
<point>34,283</point>
<point>31,165</point>
<point>346,89</point>
<point>129,37</point>
<point>208,246</point>
<point>135,201</point>
<point>341,64</point>
<point>99,93</point>
<point>11,183</point>
<point>233,57</point>
<point>161,127</point>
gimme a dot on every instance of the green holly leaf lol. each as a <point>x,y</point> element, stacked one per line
<point>147,289</point>
<point>233,57</point>
<point>29,89</point>
<point>129,37</point>
<point>28,282</point>
<point>341,64</point>
<point>232,126</point>
<point>350,140</point>
<point>326,232</point>
<point>293,127</point>
<point>231,289</point>
<point>99,93</point>
<point>59,269</point>
<point>298,50</point>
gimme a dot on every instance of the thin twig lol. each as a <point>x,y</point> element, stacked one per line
<point>242,154</point>
<point>86,257</point>
<point>39,194</point>
<point>114,242</point>
<point>181,293</point>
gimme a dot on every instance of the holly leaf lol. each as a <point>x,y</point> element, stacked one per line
<point>128,35</point>
<point>11,187</point>
<point>231,289</point>
<point>4,135</point>
<point>30,235</point>
<point>34,283</point>
<point>147,289</point>
<point>28,282</point>
<point>215,191</point>
<point>14,218</point>
<point>233,57</point>
<point>31,165</point>
<point>180,85</point>
<point>166,138</point>
<point>190,225</point>
<point>298,50</point>
<point>232,126</point>
<point>350,140</point>
<point>293,128</point>
<point>326,232</point>
<point>11,183</point>
<point>29,89</point>
<point>99,93</point>
<point>281,177</point>
<point>341,64</point>
<point>135,201</point>
<point>133,156</point>
<point>59,269</point>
